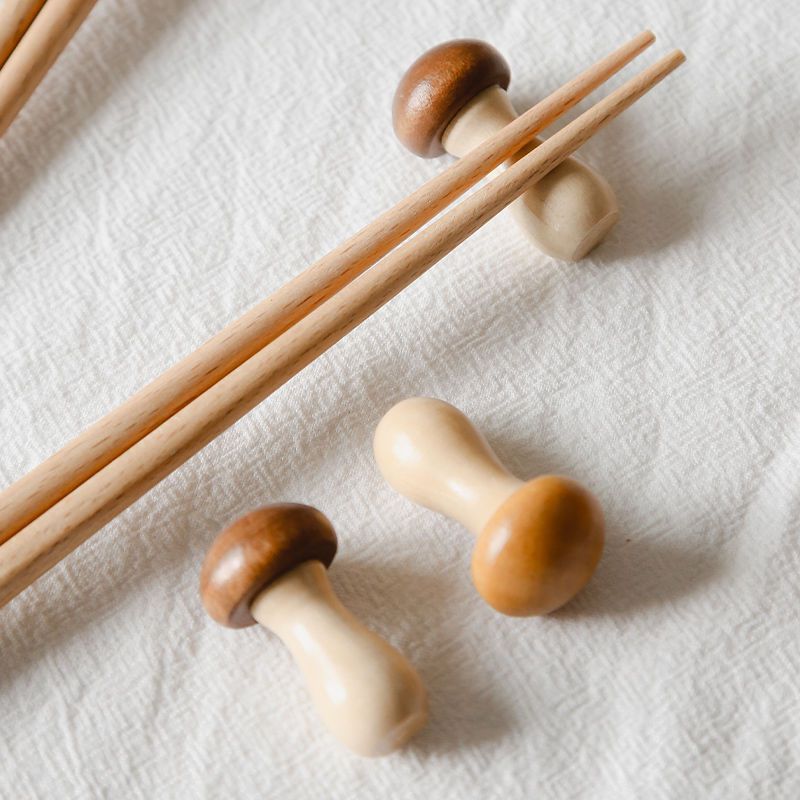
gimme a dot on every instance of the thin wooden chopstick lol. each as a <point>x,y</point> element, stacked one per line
<point>15,17</point>
<point>71,521</point>
<point>106,439</point>
<point>34,54</point>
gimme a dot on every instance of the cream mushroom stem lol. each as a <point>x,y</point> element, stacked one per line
<point>431,453</point>
<point>366,693</point>
<point>569,211</point>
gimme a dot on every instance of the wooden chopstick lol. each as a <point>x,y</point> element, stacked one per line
<point>34,54</point>
<point>72,520</point>
<point>99,444</point>
<point>15,17</point>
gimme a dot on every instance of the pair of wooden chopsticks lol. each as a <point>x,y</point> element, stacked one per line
<point>32,35</point>
<point>53,509</point>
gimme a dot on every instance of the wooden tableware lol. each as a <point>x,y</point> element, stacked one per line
<point>270,567</point>
<point>61,528</point>
<point>15,17</point>
<point>34,54</point>
<point>538,541</point>
<point>101,443</point>
<point>453,97</point>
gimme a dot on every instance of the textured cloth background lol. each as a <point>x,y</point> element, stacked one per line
<point>186,157</point>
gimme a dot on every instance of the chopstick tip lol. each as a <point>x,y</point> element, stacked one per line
<point>678,57</point>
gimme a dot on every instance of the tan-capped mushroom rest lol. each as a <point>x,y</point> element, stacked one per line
<point>538,541</point>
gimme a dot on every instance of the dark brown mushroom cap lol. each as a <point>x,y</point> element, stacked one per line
<point>438,85</point>
<point>255,550</point>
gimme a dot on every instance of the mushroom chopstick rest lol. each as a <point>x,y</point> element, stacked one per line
<point>270,567</point>
<point>453,97</point>
<point>538,542</point>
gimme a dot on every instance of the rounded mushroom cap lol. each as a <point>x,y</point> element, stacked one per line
<point>539,549</point>
<point>438,85</point>
<point>259,547</point>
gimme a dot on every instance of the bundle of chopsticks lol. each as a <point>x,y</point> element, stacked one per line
<point>49,512</point>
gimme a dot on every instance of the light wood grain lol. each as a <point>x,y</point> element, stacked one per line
<point>453,97</point>
<point>72,520</point>
<point>35,53</point>
<point>106,439</point>
<point>566,214</point>
<point>15,17</point>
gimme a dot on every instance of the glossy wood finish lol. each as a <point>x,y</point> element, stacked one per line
<point>367,694</point>
<point>539,548</point>
<point>70,521</point>
<point>438,85</point>
<point>538,542</point>
<point>431,453</point>
<point>365,691</point>
<point>453,98</point>
<point>255,550</point>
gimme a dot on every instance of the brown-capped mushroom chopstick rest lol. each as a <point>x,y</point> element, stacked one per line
<point>453,97</point>
<point>270,567</point>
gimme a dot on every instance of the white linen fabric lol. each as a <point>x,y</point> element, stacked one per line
<point>185,158</point>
